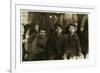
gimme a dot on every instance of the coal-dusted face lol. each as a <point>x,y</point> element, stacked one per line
<point>59,30</point>
<point>42,33</point>
<point>71,29</point>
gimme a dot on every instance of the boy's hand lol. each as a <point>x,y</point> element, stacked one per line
<point>64,56</point>
<point>80,55</point>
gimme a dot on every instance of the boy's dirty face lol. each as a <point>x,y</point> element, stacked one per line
<point>71,29</point>
<point>42,33</point>
<point>59,29</point>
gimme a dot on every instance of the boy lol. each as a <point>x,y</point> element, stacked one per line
<point>55,44</point>
<point>37,48</point>
<point>59,42</point>
<point>72,43</point>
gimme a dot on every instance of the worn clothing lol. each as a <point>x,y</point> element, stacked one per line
<point>37,48</point>
<point>72,45</point>
<point>59,45</point>
<point>55,46</point>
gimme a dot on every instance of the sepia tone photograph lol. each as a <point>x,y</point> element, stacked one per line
<point>53,35</point>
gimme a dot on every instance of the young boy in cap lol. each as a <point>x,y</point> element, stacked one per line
<point>72,43</point>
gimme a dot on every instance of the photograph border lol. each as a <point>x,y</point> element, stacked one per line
<point>13,64</point>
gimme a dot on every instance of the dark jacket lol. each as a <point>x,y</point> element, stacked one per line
<point>55,47</point>
<point>37,48</point>
<point>72,44</point>
<point>59,45</point>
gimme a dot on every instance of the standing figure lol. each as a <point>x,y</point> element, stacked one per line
<point>72,44</point>
<point>59,42</point>
<point>55,48</point>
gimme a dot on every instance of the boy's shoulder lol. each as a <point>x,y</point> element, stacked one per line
<point>65,35</point>
<point>68,35</point>
<point>76,36</point>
